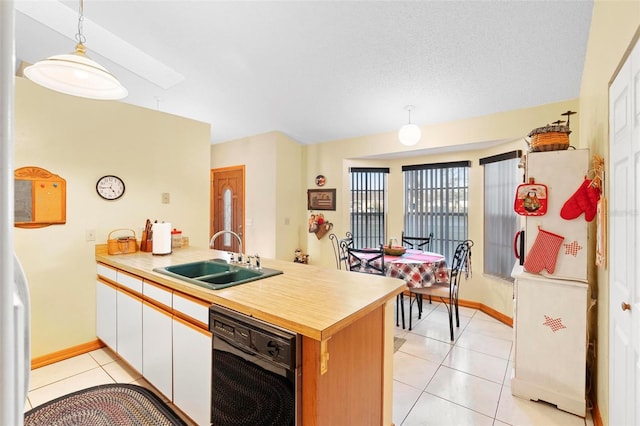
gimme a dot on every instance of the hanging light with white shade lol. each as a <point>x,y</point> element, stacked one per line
<point>75,73</point>
<point>409,134</point>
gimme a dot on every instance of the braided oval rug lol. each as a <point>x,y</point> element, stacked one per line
<point>105,405</point>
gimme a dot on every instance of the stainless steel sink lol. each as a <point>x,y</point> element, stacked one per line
<point>215,274</point>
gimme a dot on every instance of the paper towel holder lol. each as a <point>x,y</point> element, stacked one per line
<point>161,238</point>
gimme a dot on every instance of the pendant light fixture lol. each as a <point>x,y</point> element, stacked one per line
<point>75,73</point>
<point>409,134</point>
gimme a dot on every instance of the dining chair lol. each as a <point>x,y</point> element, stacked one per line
<point>371,261</point>
<point>419,243</point>
<point>340,248</point>
<point>446,291</point>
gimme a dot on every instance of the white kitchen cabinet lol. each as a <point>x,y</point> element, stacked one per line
<point>164,337</point>
<point>550,335</point>
<point>106,314</point>
<point>157,348</point>
<point>129,328</point>
<point>192,350</point>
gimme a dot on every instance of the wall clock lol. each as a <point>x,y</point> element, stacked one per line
<point>110,187</point>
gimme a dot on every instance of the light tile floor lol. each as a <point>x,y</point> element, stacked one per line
<point>95,368</point>
<point>467,382</point>
<point>435,382</point>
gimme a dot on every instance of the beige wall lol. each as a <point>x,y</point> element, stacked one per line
<point>613,26</point>
<point>81,140</point>
<point>272,191</point>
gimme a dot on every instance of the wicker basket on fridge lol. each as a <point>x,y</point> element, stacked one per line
<point>552,137</point>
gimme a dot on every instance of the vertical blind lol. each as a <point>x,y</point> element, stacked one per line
<point>367,207</point>
<point>436,201</point>
<point>500,220</point>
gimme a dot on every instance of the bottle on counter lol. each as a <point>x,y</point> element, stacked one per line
<point>176,238</point>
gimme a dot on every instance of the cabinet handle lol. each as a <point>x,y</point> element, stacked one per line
<point>625,306</point>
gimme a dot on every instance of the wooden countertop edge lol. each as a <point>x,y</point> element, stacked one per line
<point>209,296</point>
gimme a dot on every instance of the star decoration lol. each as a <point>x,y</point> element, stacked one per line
<point>573,248</point>
<point>554,324</point>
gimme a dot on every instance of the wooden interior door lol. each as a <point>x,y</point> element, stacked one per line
<point>624,233</point>
<point>227,207</point>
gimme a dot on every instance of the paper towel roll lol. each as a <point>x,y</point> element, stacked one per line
<point>161,238</point>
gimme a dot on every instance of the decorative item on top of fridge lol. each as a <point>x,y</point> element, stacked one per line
<point>552,137</point>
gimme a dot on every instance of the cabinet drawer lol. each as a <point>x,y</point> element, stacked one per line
<point>106,272</point>
<point>129,281</point>
<point>157,293</point>
<point>193,308</point>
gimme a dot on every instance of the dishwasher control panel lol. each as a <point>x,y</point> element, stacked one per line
<point>255,336</point>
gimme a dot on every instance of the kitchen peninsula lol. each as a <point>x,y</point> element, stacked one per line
<point>344,321</point>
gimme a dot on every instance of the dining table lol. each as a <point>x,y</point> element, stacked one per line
<point>417,268</point>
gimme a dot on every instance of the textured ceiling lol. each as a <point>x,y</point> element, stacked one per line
<point>322,70</point>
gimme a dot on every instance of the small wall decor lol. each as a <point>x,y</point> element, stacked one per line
<point>320,180</point>
<point>321,199</point>
<point>319,225</point>
<point>40,198</point>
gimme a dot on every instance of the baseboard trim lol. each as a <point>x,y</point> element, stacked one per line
<point>54,357</point>
<point>595,414</point>
<point>487,310</point>
<point>482,308</point>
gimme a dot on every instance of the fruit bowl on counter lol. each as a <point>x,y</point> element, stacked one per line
<point>394,250</point>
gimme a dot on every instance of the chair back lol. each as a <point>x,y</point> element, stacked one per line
<point>370,261</point>
<point>340,248</point>
<point>418,243</point>
<point>461,261</point>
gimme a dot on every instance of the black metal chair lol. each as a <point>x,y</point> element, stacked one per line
<point>447,292</point>
<point>418,243</point>
<point>340,248</point>
<point>371,261</point>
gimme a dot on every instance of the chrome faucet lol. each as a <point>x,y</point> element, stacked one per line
<point>225,231</point>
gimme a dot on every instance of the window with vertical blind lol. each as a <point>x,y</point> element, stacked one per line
<point>436,201</point>
<point>368,205</point>
<point>501,178</point>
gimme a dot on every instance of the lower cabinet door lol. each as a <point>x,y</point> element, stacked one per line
<point>129,327</point>
<point>192,370</point>
<point>157,348</point>
<point>551,342</point>
<point>106,314</point>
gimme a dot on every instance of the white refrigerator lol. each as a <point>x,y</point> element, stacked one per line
<point>563,173</point>
<point>551,293</point>
<point>14,296</point>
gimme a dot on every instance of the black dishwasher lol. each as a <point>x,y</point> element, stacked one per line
<point>255,371</point>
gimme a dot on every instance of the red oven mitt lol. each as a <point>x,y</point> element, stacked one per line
<point>585,199</point>
<point>543,253</point>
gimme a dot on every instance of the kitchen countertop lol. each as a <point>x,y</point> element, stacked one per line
<point>313,301</point>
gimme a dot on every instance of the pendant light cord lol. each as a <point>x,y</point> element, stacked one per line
<point>80,38</point>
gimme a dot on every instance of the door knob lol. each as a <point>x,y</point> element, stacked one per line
<point>625,306</point>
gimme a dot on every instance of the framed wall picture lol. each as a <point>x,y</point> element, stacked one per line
<point>321,199</point>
